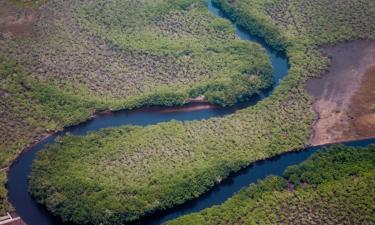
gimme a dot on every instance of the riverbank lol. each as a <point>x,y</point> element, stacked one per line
<point>332,186</point>
<point>280,123</point>
<point>11,219</point>
<point>72,70</point>
<point>169,163</point>
<point>344,95</point>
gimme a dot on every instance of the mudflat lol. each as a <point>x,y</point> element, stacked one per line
<point>361,113</point>
<point>344,95</point>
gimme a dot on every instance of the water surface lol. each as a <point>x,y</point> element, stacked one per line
<point>35,214</point>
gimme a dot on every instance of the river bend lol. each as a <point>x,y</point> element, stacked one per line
<point>35,214</point>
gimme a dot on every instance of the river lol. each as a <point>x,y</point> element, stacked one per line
<point>35,214</point>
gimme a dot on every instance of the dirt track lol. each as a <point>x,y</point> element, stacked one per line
<point>344,96</point>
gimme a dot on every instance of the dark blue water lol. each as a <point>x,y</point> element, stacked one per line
<point>236,181</point>
<point>34,214</point>
<point>18,185</point>
<point>278,61</point>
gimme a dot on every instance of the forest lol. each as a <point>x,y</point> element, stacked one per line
<point>333,186</point>
<point>54,65</point>
<point>128,54</point>
<point>169,163</point>
<point>94,57</point>
<point>73,70</point>
<point>29,110</point>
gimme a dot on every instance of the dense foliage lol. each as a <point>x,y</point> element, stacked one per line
<point>27,111</point>
<point>133,53</point>
<point>194,49</point>
<point>283,23</point>
<point>89,179</point>
<point>77,65</point>
<point>39,94</point>
<point>334,186</point>
<point>4,205</point>
<point>70,72</point>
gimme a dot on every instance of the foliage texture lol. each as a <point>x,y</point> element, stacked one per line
<point>88,179</point>
<point>334,186</point>
<point>88,56</point>
<point>82,52</point>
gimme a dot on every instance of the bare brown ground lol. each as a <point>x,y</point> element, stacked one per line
<point>194,106</point>
<point>16,21</point>
<point>361,114</point>
<point>345,94</point>
<point>14,220</point>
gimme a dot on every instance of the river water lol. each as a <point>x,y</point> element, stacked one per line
<point>35,214</point>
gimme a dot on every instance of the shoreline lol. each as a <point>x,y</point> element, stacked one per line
<point>335,89</point>
<point>191,105</point>
<point>195,104</point>
<point>36,141</point>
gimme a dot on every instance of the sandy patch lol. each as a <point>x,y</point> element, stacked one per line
<point>336,88</point>
<point>194,106</point>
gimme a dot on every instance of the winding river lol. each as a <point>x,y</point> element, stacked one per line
<point>35,214</point>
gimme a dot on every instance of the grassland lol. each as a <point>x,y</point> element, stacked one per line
<point>79,62</point>
<point>159,166</point>
<point>334,186</point>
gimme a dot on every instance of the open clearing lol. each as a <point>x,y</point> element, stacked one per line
<point>94,55</point>
<point>343,117</point>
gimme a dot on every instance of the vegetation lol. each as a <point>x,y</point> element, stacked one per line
<point>79,63</point>
<point>334,186</point>
<point>133,53</point>
<point>316,22</point>
<point>29,109</point>
<point>28,3</point>
<point>4,205</point>
<point>89,179</point>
